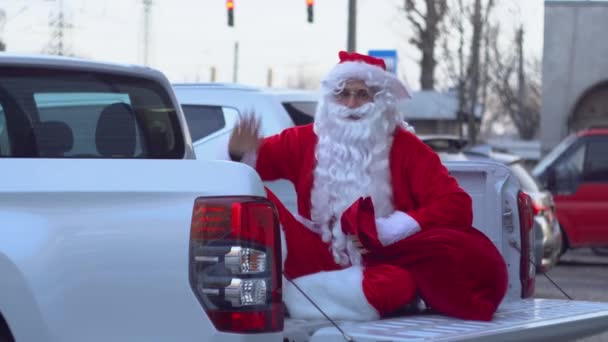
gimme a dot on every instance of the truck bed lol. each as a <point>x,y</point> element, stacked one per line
<point>519,320</point>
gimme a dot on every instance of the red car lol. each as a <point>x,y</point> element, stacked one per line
<point>576,172</point>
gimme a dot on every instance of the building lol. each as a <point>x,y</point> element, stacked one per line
<point>575,68</point>
<point>434,112</point>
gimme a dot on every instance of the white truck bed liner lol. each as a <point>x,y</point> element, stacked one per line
<point>520,320</point>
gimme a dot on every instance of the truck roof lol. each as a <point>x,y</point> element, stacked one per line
<point>40,60</point>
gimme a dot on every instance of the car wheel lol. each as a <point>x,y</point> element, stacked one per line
<point>603,251</point>
<point>565,242</point>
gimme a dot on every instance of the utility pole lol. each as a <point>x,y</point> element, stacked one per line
<point>269,77</point>
<point>235,68</point>
<point>213,74</point>
<point>521,81</point>
<point>474,69</point>
<point>351,44</point>
<point>147,7</point>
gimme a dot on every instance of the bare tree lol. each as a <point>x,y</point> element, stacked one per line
<point>466,64</point>
<point>474,66</point>
<point>516,84</point>
<point>427,31</point>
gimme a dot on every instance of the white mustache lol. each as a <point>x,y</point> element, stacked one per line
<point>345,112</point>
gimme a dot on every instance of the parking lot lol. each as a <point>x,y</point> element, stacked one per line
<point>582,275</point>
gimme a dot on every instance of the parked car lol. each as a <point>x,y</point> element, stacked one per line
<point>548,243</point>
<point>212,109</point>
<point>576,172</point>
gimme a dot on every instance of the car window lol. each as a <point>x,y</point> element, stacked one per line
<point>205,120</point>
<point>301,113</point>
<point>5,147</point>
<point>569,170</point>
<point>557,151</point>
<point>596,163</point>
<point>55,113</point>
<point>527,182</point>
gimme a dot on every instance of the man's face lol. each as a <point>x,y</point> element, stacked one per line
<point>355,94</point>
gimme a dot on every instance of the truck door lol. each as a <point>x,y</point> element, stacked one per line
<point>581,192</point>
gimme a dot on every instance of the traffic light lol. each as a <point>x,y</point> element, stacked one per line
<point>230,8</point>
<point>309,9</point>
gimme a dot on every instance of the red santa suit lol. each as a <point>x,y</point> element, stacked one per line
<point>412,218</point>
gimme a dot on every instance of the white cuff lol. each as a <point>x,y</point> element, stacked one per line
<point>338,293</point>
<point>396,227</point>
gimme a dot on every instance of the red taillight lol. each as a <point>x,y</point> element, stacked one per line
<point>538,208</point>
<point>235,264</point>
<point>526,223</point>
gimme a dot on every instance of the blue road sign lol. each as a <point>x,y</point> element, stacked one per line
<point>389,56</point>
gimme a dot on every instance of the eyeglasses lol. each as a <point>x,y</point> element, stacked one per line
<point>361,95</point>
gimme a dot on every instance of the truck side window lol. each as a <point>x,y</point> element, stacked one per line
<point>596,163</point>
<point>569,170</point>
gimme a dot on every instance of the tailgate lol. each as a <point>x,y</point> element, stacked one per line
<point>522,320</point>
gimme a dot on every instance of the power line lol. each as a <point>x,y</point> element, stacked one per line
<point>58,26</point>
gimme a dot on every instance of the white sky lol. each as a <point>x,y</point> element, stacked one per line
<point>191,36</point>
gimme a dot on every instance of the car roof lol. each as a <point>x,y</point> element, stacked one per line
<point>593,131</point>
<point>441,137</point>
<point>487,151</point>
<point>216,86</point>
<point>282,93</point>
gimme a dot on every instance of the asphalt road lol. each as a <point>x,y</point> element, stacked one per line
<point>583,276</point>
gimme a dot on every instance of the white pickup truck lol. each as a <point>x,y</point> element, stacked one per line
<point>110,231</point>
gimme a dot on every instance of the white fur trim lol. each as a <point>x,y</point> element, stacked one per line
<point>396,227</point>
<point>250,158</point>
<point>338,293</point>
<point>370,74</point>
<point>408,127</point>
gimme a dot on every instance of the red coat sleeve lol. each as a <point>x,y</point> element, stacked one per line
<point>439,202</point>
<point>278,156</point>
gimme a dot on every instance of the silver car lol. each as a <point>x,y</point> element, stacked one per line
<point>549,242</point>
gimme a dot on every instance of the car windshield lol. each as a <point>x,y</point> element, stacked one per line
<point>549,158</point>
<point>55,113</point>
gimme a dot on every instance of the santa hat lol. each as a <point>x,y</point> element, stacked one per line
<point>369,69</point>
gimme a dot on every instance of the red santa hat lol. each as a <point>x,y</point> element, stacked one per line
<point>369,69</point>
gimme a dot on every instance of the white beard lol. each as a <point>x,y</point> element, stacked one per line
<point>352,162</point>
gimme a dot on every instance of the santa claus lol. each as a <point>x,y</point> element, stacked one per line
<point>380,221</point>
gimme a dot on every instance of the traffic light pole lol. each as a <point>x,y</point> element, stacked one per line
<point>351,44</point>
